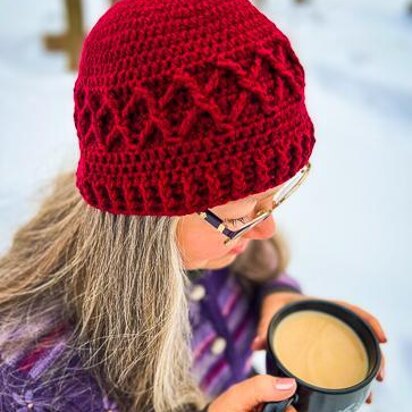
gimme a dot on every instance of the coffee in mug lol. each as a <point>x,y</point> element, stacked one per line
<point>331,352</point>
<point>320,349</point>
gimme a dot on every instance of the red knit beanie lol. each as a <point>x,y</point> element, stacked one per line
<point>182,105</point>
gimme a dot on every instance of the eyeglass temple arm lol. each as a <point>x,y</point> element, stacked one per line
<point>217,223</point>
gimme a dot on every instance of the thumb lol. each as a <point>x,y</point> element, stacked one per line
<point>250,393</point>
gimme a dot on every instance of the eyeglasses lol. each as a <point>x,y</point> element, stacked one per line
<point>228,226</point>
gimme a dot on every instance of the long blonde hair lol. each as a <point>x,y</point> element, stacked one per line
<point>120,281</point>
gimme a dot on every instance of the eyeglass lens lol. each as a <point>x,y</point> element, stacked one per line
<point>279,196</point>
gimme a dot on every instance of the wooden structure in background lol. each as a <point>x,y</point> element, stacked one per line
<point>71,40</point>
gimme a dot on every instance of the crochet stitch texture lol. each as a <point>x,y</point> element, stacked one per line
<point>182,105</point>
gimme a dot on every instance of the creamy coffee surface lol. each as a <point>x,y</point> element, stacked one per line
<point>320,349</point>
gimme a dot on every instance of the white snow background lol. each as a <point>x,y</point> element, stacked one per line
<point>349,226</point>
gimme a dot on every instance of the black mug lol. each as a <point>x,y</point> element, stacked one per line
<point>310,398</point>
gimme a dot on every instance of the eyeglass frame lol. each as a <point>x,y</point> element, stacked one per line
<point>261,215</point>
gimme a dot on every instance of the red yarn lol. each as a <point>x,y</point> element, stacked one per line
<point>182,105</point>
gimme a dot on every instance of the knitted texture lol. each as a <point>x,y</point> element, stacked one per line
<point>182,105</point>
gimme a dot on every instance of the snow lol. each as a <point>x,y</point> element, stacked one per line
<point>349,226</point>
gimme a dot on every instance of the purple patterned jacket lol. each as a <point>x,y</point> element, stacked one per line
<point>224,312</point>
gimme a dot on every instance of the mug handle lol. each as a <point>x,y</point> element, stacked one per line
<point>281,405</point>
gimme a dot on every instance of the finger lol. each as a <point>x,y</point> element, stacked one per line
<point>259,389</point>
<point>374,323</point>
<point>291,409</point>
<point>369,398</point>
<point>381,373</point>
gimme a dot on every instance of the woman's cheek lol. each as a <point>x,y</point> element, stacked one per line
<point>206,248</point>
<point>198,244</point>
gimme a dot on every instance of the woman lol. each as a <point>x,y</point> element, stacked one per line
<point>148,277</point>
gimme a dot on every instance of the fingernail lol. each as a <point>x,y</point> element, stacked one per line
<point>284,384</point>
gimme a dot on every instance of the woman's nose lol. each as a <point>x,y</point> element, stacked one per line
<point>264,230</point>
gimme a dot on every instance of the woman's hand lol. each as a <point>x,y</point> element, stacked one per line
<point>275,301</point>
<point>250,394</point>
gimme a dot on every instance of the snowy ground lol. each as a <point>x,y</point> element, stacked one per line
<point>349,226</point>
